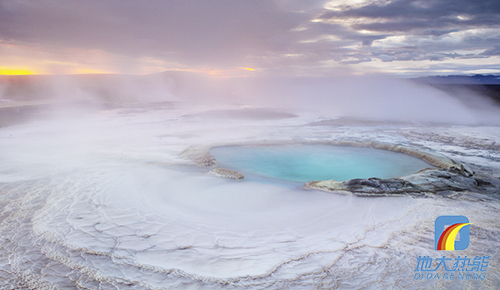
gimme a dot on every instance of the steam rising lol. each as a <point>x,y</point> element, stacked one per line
<point>102,198</point>
<point>367,97</point>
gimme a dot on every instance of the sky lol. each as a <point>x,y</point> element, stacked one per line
<point>250,37</point>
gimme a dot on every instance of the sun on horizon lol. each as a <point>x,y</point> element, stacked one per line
<point>16,71</point>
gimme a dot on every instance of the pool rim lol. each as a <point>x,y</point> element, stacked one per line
<point>201,156</point>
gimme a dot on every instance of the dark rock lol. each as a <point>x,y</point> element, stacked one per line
<point>432,180</point>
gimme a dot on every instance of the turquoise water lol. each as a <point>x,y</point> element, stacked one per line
<point>316,162</point>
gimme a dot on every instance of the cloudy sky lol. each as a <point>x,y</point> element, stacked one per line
<point>245,37</point>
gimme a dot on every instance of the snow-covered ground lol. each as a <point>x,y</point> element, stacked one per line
<point>103,200</point>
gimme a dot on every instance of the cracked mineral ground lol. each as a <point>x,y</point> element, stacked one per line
<point>103,200</point>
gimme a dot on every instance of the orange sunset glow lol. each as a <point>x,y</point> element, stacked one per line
<point>16,71</point>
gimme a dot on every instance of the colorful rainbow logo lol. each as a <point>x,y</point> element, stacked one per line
<point>447,240</point>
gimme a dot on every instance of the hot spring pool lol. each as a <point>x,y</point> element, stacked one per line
<point>304,163</point>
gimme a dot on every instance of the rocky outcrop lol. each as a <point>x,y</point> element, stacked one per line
<point>366,187</point>
<point>226,173</point>
<point>432,180</point>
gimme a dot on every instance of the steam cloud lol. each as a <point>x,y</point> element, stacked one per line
<point>366,97</point>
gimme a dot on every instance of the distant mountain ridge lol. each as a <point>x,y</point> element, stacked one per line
<point>477,79</point>
<point>486,85</point>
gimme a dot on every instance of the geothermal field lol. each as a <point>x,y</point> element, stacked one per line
<point>112,192</point>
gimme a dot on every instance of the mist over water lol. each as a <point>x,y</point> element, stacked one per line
<point>102,199</point>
